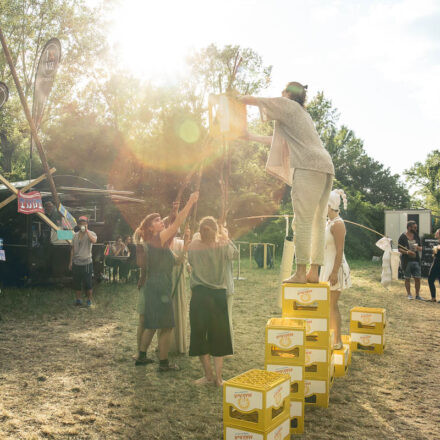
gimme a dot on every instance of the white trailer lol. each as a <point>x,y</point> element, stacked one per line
<point>395,222</point>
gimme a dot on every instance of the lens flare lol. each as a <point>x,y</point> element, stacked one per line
<point>189,131</point>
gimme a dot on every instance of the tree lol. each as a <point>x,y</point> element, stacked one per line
<point>28,25</point>
<point>426,175</point>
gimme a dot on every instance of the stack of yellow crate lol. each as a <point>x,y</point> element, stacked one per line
<point>311,303</point>
<point>256,406</point>
<point>285,353</point>
<point>367,327</point>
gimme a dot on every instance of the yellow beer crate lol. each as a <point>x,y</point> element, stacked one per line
<point>341,360</point>
<point>367,342</point>
<point>317,332</point>
<point>281,431</point>
<point>306,300</point>
<point>346,341</point>
<point>296,416</point>
<point>332,371</point>
<point>296,373</point>
<point>317,362</point>
<point>367,320</point>
<point>256,399</point>
<point>316,392</point>
<point>285,339</point>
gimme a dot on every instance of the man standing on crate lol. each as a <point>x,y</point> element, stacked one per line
<point>81,263</point>
<point>409,248</point>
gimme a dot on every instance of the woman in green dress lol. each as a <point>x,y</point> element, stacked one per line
<point>158,312</point>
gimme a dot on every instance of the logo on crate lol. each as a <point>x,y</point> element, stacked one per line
<point>308,326</point>
<point>366,318</point>
<point>365,339</point>
<point>305,295</point>
<point>243,436</point>
<point>243,400</point>
<point>278,397</point>
<point>284,370</point>
<point>284,339</point>
<point>279,434</point>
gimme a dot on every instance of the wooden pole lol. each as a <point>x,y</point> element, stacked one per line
<point>24,189</point>
<point>30,121</point>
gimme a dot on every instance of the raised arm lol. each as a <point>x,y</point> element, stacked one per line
<point>248,100</point>
<point>266,140</point>
<point>169,232</point>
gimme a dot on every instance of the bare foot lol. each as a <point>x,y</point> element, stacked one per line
<point>297,279</point>
<point>204,381</point>
<point>312,279</point>
<point>219,382</point>
<point>135,357</point>
<point>313,274</point>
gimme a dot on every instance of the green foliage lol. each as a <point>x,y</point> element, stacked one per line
<point>426,176</point>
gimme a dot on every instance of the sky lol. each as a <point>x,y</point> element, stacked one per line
<point>378,61</point>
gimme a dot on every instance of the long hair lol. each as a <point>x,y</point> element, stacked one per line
<point>296,92</point>
<point>143,232</point>
<point>208,229</point>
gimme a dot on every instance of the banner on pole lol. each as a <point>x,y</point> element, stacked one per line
<point>4,93</point>
<point>68,219</point>
<point>44,79</point>
<point>30,203</point>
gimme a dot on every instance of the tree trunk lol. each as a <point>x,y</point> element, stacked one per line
<point>7,150</point>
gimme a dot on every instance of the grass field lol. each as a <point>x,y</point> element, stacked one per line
<point>67,373</point>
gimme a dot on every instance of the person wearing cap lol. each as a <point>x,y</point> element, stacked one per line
<point>335,269</point>
<point>81,263</point>
<point>298,158</point>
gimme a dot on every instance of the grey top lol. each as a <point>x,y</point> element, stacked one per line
<point>82,248</point>
<point>210,263</point>
<point>295,143</point>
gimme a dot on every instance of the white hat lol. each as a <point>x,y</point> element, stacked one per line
<point>335,199</point>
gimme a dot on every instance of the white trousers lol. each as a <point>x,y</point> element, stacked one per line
<point>310,194</point>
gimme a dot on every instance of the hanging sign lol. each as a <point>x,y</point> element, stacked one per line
<point>2,255</point>
<point>30,203</point>
<point>68,219</point>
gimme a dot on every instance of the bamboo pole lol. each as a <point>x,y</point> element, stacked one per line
<point>30,120</point>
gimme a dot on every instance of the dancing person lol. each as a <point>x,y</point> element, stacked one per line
<point>335,269</point>
<point>409,247</point>
<point>158,311</point>
<point>209,255</point>
<point>81,263</point>
<point>434,271</point>
<point>299,159</point>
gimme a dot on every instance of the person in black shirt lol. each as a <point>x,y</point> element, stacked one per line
<point>409,247</point>
<point>434,272</point>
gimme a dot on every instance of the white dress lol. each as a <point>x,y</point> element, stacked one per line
<point>344,281</point>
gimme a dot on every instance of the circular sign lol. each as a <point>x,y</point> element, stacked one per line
<point>4,93</point>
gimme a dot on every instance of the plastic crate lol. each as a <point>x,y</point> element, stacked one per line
<point>296,373</point>
<point>257,399</point>
<point>296,416</point>
<point>285,339</point>
<point>281,431</point>
<point>316,392</point>
<point>367,342</point>
<point>367,320</point>
<point>317,362</point>
<point>341,360</point>
<point>306,300</point>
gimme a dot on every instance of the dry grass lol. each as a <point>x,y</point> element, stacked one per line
<point>67,373</point>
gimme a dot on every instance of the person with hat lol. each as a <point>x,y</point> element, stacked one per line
<point>298,158</point>
<point>81,263</point>
<point>335,269</point>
